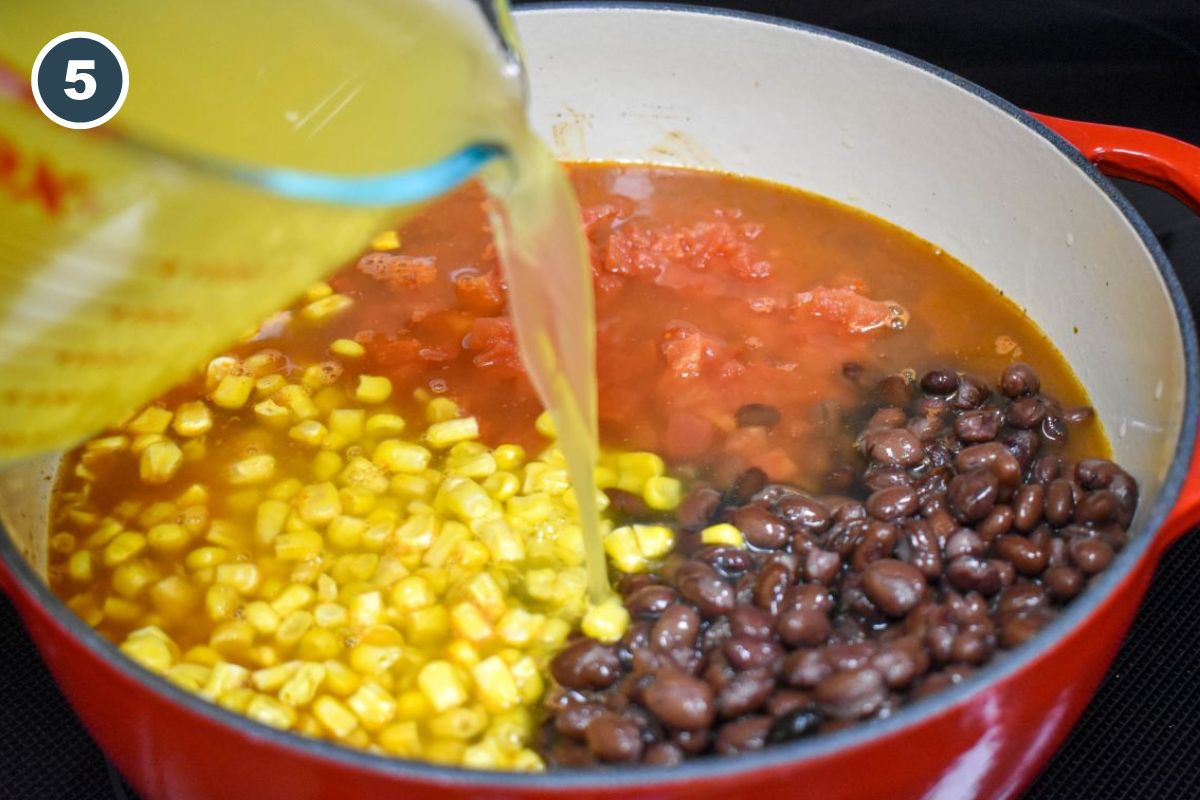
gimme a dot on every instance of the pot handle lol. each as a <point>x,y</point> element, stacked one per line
<point>1174,167</point>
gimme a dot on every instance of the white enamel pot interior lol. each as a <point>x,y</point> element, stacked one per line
<point>882,132</point>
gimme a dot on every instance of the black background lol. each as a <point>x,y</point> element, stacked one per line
<point>1133,63</point>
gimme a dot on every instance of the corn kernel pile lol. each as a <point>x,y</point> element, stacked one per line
<point>290,547</point>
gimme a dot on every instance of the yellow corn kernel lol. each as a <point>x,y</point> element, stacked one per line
<point>334,716</point>
<point>427,626</point>
<point>241,577</point>
<point>366,609</point>
<point>388,240</point>
<point>158,512</point>
<point>481,465</point>
<point>395,455</point>
<point>123,547</point>
<point>441,685</point>
<point>189,676</point>
<point>269,518</point>
<point>167,538</point>
<point>252,470</point>
<point>606,622</point>
<point>298,545</point>
<point>325,308</point>
<point>206,557</point>
<point>544,425</point>
<point>159,462</point>
<point>464,498</point>
<point>142,441</point>
<point>501,485</point>
<point>174,597</point>
<point>318,503</point>
<point>413,486</point>
<point>194,519</point>
<point>362,473</point>
<point>203,655</point>
<point>131,577</point>
<point>401,739</point>
<point>412,593</point>
<point>340,679</point>
<point>327,589</point>
<point>271,679</point>
<point>440,409</point>
<point>518,627</point>
<point>263,363</point>
<point>370,659</point>
<point>317,291</point>
<point>118,609</point>
<point>268,385</point>
<point>223,678</point>
<point>236,700</point>
<point>151,651</point>
<point>528,677</point>
<point>347,348</point>
<point>527,761</point>
<point>724,534</point>
<point>79,566</point>
<point>469,623</point>
<point>347,423</point>
<point>662,493</point>
<point>192,419</point>
<point>297,401</point>
<point>372,389</point>
<point>152,420</point>
<point>309,432</point>
<point>357,500</point>
<point>326,464</point>
<point>272,414</point>
<point>220,602</point>
<point>443,434</point>
<point>232,639</point>
<point>374,705</point>
<point>345,532</point>
<point>107,444</point>
<point>622,547</point>
<point>302,686</point>
<point>262,616</point>
<point>463,723</point>
<point>494,685</point>
<point>319,644</point>
<point>385,425</point>
<point>292,627</point>
<point>316,376</point>
<point>232,392</point>
<point>269,711</point>
<point>224,533</point>
<point>634,469</point>
<point>486,594</point>
<point>654,541</point>
<point>330,615</point>
<point>293,598</point>
<point>509,457</point>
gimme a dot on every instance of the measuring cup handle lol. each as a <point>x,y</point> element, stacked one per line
<point>1174,167</point>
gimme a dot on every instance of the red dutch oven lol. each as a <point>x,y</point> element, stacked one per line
<point>1019,197</point>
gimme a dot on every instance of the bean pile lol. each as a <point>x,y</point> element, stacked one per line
<point>959,531</point>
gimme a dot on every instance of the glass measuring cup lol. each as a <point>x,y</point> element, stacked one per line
<point>255,153</point>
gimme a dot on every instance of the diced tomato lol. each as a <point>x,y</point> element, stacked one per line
<point>494,343</point>
<point>398,270</point>
<point>844,306</point>
<point>482,294</point>
<point>688,435</point>
<point>687,350</point>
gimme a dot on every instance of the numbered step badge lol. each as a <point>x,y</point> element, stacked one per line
<point>80,80</point>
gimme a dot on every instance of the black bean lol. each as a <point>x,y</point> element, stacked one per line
<point>893,446</point>
<point>876,478</point>
<point>887,417</point>
<point>663,754</point>
<point>838,479</point>
<point>744,693</point>
<point>681,701</point>
<point>697,509</point>
<point>971,393</point>
<point>805,668</point>
<point>1078,415</point>
<point>761,528</point>
<point>793,725</point>
<point>939,382</point>
<point>628,504</point>
<point>586,664</point>
<point>901,661</point>
<point>997,523</point>
<point>964,542</point>
<point>692,742</point>
<point>931,407</point>
<point>1060,503</point>
<point>785,701</point>
<point>706,590</point>
<point>1024,446</point>
<point>971,574</point>
<point>649,601</point>
<point>980,425</point>
<point>803,513</point>
<point>992,456</point>
<point>574,718</point>
<point>925,428</point>
<point>1028,505</point>
<point>892,391</point>
<point>614,739</point>
<point>1096,507</point>
<point>972,494</point>
<point>1026,412</point>
<point>923,542</point>
<point>851,694</point>
<point>895,587</point>
<point>677,629</point>
<point>743,735</point>
<point>1046,469</point>
<point>803,627</point>
<point>878,541</point>
<point>747,484</point>
<point>757,415</point>
<point>1054,428</point>
<point>1019,379</point>
<point>750,623</point>
<point>1090,555</point>
<point>770,587</point>
<point>1025,556</point>
<point>1015,631</point>
<point>893,503</point>
<point>1063,583</point>
<point>729,561</point>
<point>822,566</point>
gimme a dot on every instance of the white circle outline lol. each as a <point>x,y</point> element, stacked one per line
<point>66,123</point>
